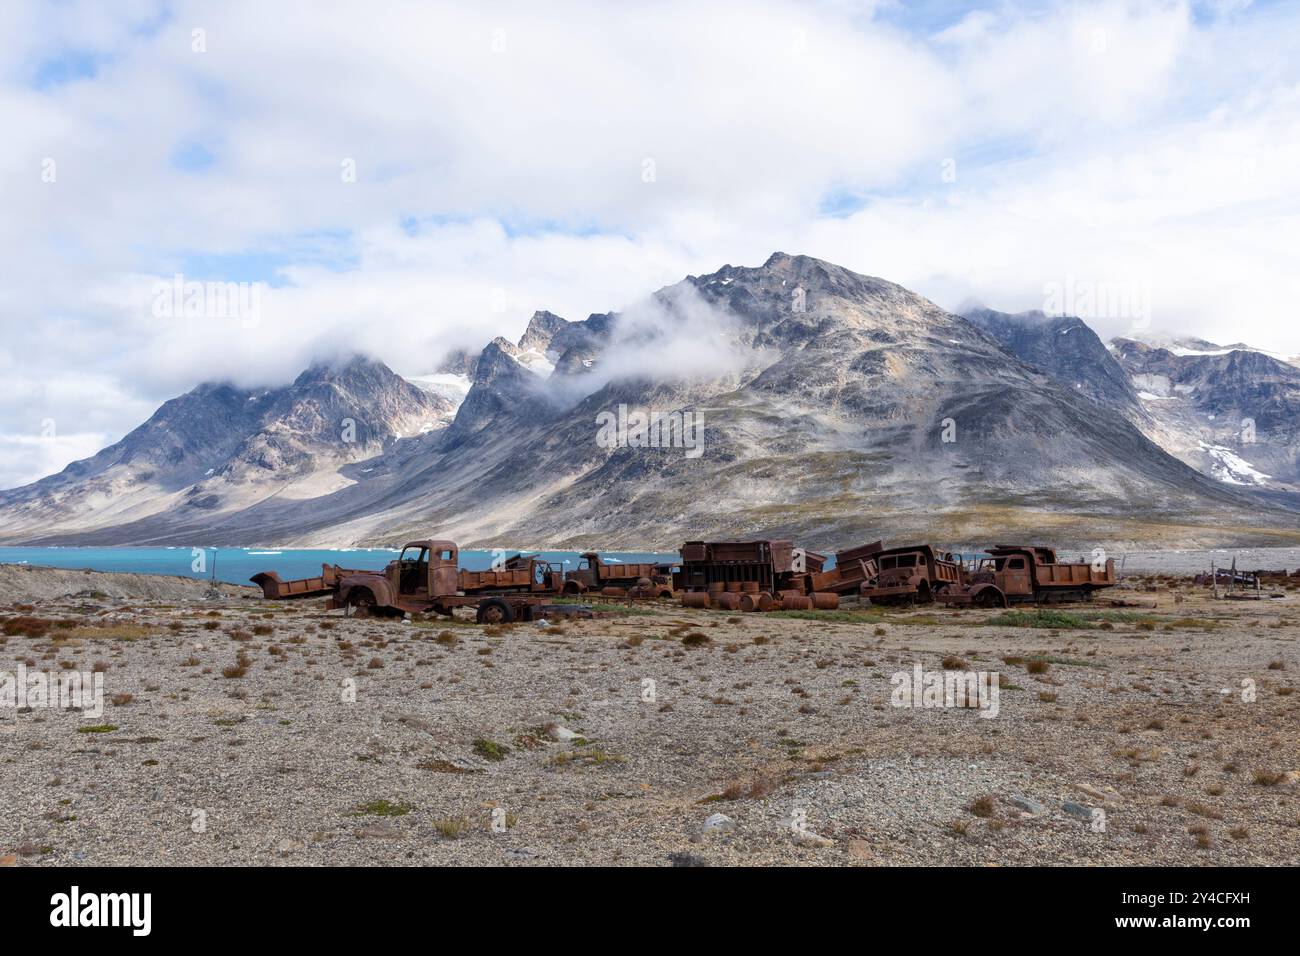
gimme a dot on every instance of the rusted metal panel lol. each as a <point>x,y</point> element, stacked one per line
<point>853,567</point>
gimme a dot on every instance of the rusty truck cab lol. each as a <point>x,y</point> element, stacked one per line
<point>426,569</point>
<point>1010,569</point>
<point>586,574</point>
<point>913,573</point>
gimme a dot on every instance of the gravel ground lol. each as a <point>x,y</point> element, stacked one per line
<point>364,741</point>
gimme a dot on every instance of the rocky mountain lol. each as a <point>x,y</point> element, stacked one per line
<point>219,449</point>
<point>831,407</point>
<point>1067,349</point>
<point>1231,411</point>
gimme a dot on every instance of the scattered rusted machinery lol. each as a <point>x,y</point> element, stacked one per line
<point>760,575</point>
<point>1013,574</point>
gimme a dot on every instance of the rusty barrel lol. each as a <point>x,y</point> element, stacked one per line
<point>695,599</point>
<point>794,601</point>
<point>729,601</point>
<point>749,587</point>
<point>825,600</point>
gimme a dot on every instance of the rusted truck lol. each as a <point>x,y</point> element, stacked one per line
<point>912,574</point>
<point>427,577</point>
<point>1015,574</point>
<point>640,579</point>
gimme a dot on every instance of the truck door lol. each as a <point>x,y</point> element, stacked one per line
<point>1016,576</point>
<point>444,573</point>
<point>413,571</point>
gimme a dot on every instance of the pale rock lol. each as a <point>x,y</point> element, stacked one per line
<point>717,822</point>
<point>808,838</point>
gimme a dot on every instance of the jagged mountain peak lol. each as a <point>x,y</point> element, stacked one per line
<point>802,300</point>
<point>542,329</point>
<point>807,272</point>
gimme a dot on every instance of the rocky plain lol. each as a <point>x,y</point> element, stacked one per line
<point>235,731</point>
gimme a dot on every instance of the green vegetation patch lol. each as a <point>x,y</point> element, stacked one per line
<point>382,808</point>
<point>490,749</point>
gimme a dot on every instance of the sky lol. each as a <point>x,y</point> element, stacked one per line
<point>401,178</point>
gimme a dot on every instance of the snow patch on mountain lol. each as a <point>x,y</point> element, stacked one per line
<point>449,386</point>
<point>1231,468</point>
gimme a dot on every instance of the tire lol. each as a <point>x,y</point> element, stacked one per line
<point>989,598</point>
<point>923,595</point>
<point>494,611</point>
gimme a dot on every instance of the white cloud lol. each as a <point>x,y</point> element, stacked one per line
<point>501,167</point>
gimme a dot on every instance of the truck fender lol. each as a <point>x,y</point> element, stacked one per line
<point>376,584</point>
<point>988,595</point>
<point>269,582</point>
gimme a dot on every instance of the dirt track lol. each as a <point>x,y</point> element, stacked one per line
<point>234,738</point>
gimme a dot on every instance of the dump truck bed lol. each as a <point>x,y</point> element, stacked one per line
<point>274,589</point>
<point>853,567</point>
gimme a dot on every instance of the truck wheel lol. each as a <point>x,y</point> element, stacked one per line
<point>495,611</point>
<point>923,593</point>
<point>361,602</point>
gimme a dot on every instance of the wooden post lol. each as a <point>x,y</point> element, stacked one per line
<point>1214,576</point>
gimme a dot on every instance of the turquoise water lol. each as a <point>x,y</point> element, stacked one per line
<point>237,565</point>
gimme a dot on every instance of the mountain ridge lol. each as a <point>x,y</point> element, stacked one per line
<point>837,407</point>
